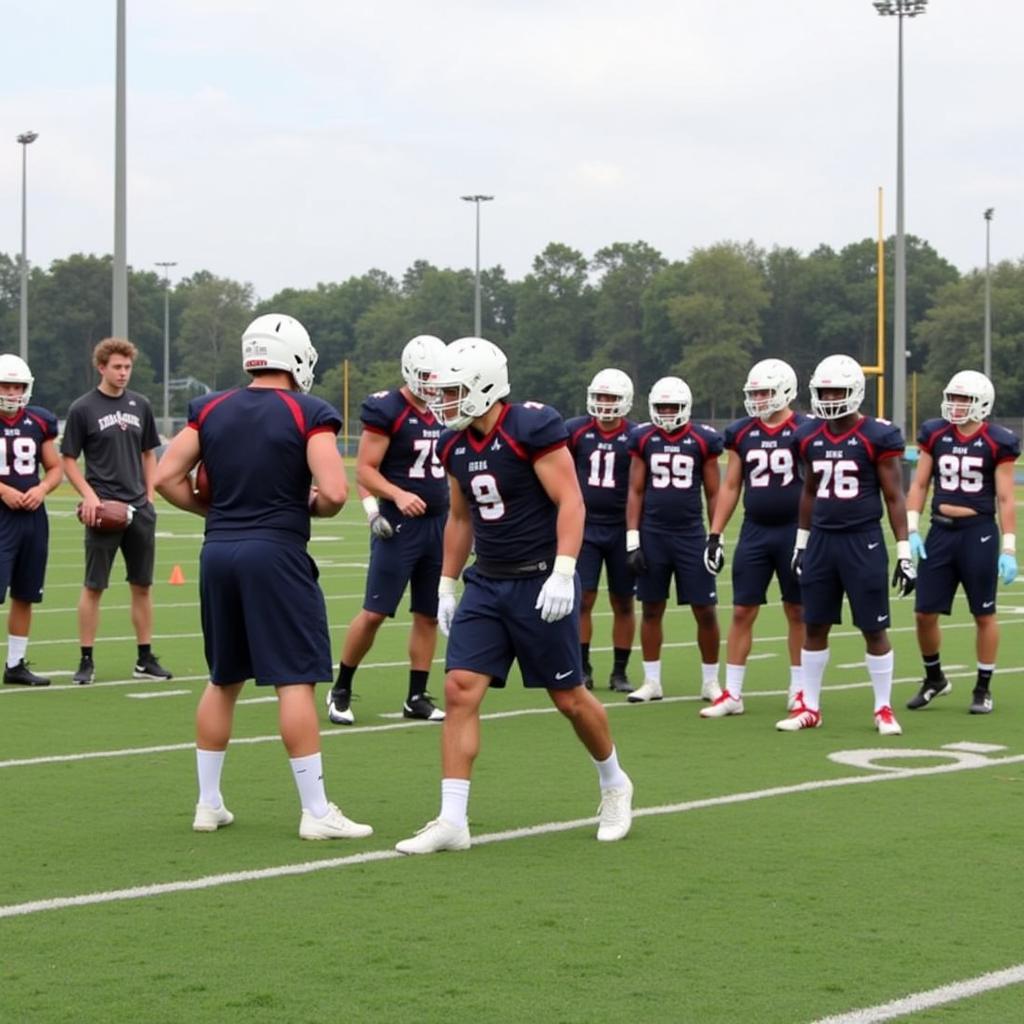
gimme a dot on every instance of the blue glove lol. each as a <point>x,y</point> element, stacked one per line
<point>1008,567</point>
<point>917,550</point>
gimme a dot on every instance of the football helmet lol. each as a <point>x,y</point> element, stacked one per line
<point>837,372</point>
<point>610,382</point>
<point>278,342</point>
<point>14,370</point>
<point>478,370</point>
<point>774,376</point>
<point>421,358</point>
<point>969,384</point>
<point>670,391</point>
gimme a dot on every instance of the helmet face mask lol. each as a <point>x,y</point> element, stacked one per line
<point>422,357</point>
<point>472,377</point>
<point>14,370</point>
<point>610,395</point>
<point>968,397</point>
<point>771,386</point>
<point>669,403</point>
<point>837,373</point>
<point>278,342</point>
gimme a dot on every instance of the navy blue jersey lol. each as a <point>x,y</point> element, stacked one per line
<point>253,444</point>
<point>772,477</point>
<point>21,440</point>
<point>964,468</point>
<point>513,517</point>
<point>602,466</point>
<point>675,474</point>
<point>411,459</point>
<point>848,495</point>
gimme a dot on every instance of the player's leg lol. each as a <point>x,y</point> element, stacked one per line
<point>651,638</point>
<point>698,588</point>
<point>986,648</point>
<point>423,581</point>
<point>23,568</point>
<point>879,660</point>
<point>138,546</point>
<point>783,539</point>
<point>214,720</point>
<point>978,567</point>
<point>794,613</point>
<point>19,623</point>
<point>589,597</point>
<point>937,580</point>
<point>709,640</point>
<point>588,568</point>
<point>737,649</point>
<point>621,596</point>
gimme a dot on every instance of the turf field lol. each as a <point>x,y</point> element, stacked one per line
<point>769,877</point>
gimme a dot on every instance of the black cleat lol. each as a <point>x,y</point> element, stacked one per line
<point>149,668</point>
<point>618,683</point>
<point>928,692</point>
<point>339,709</point>
<point>422,706</point>
<point>20,675</point>
<point>86,672</point>
<point>981,703</point>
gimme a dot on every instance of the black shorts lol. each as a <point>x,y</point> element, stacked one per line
<point>137,543</point>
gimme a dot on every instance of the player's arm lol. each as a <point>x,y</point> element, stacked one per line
<point>712,480</point>
<point>458,534</point>
<point>328,469</point>
<point>634,512</point>
<point>728,493</point>
<point>52,476</point>
<point>149,473</point>
<point>171,478</point>
<point>890,480</point>
<point>804,513</point>
<point>557,474</point>
<point>372,449</point>
<point>75,477</point>
<point>916,497</point>
<point>1005,502</point>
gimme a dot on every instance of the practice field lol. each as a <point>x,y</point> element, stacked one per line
<point>769,877</point>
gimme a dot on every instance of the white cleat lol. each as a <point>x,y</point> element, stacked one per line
<point>209,819</point>
<point>333,825</point>
<point>649,691</point>
<point>615,812</point>
<point>727,704</point>
<point>710,691</point>
<point>435,836</point>
<point>800,717</point>
<point>885,722</point>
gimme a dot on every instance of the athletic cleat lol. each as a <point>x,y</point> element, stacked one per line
<point>148,667</point>
<point>649,691</point>
<point>588,677</point>
<point>618,683</point>
<point>421,706</point>
<point>928,692</point>
<point>801,717</point>
<point>727,704</point>
<point>981,703</point>
<point>209,819</point>
<point>20,675</point>
<point>339,709</point>
<point>710,691</point>
<point>615,813</point>
<point>435,836</point>
<point>333,825</point>
<point>886,723</point>
<point>86,672</point>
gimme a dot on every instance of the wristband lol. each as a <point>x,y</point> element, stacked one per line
<point>1009,543</point>
<point>632,540</point>
<point>903,550</point>
<point>802,537</point>
<point>913,520</point>
<point>445,585</point>
<point>565,564</point>
<point>370,506</point>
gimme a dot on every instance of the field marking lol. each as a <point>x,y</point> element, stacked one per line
<point>933,997</point>
<point>156,693</point>
<point>529,831</point>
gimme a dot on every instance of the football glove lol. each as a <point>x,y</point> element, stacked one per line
<point>1007,567</point>
<point>634,556</point>
<point>380,527</point>
<point>904,577</point>
<point>796,561</point>
<point>917,550</point>
<point>558,594</point>
<point>447,602</point>
<point>714,554</point>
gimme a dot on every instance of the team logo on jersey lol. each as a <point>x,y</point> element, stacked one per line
<point>124,420</point>
<point>496,446</point>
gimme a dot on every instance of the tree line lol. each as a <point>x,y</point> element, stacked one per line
<point>706,318</point>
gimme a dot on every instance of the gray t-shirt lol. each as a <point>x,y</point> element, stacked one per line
<point>113,433</point>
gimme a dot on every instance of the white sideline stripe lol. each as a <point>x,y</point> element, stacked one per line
<point>257,700</point>
<point>935,997</point>
<point>548,828</point>
<point>156,693</point>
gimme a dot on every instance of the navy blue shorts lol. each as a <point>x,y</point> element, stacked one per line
<point>852,563</point>
<point>24,542</point>
<point>496,622</point>
<point>263,613</point>
<point>678,555</point>
<point>764,552</point>
<point>966,555</point>
<point>605,544</point>
<point>411,557</point>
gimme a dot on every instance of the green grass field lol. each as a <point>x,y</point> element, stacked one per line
<point>763,881</point>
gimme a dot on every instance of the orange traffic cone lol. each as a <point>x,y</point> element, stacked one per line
<point>177,577</point>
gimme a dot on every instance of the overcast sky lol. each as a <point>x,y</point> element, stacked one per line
<point>286,143</point>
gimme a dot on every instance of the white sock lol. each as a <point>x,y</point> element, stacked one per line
<point>652,671</point>
<point>455,801</point>
<point>709,673</point>
<point>734,679</point>
<point>796,679</point>
<point>309,781</point>
<point>880,669</point>
<point>609,772</point>
<point>814,663</point>
<point>16,648</point>
<point>209,764</point>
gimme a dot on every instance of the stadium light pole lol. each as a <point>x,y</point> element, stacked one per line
<point>900,9</point>
<point>988,293</point>
<point>166,266</point>
<point>477,200</point>
<point>119,298</point>
<point>26,139</point>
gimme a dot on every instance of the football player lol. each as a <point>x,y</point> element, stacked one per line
<point>674,460</point>
<point>971,462</point>
<point>26,445</point>
<point>598,443</point>
<point>514,494</point>
<point>765,467</point>
<point>263,613</point>
<point>406,501</point>
<point>851,462</point>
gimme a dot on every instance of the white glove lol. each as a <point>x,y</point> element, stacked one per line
<point>558,594</point>
<point>447,602</point>
<point>379,526</point>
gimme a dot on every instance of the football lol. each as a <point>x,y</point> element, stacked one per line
<point>111,517</point>
<point>201,484</point>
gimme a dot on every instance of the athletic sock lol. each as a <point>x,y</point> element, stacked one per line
<point>813,664</point>
<point>145,650</point>
<point>796,678</point>
<point>417,682</point>
<point>209,765</point>
<point>86,651</point>
<point>880,669</point>
<point>585,655</point>
<point>652,671</point>
<point>455,801</point>
<point>734,679</point>
<point>345,674</point>
<point>16,648</point>
<point>984,676</point>
<point>932,668</point>
<point>621,656</point>
<point>309,781</point>
<point>608,771</point>
<point>709,673</point>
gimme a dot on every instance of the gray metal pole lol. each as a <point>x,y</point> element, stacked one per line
<point>26,139</point>
<point>988,295</point>
<point>899,342</point>
<point>476,300</point>
<point>166,266</point>
<point>120,290</point>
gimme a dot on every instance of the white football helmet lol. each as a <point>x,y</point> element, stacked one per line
<point>14,370</point>
<point>616,384</point>
<point>837,372</point>
<point>672,391</point>
<point>478,370</point>
<point>421,359</point>
<point>278,342</point>
<point>969,384</point>
<point>774,376</point>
